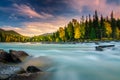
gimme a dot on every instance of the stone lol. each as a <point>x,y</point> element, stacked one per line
<point>18,55</point>
<point>98,48</point>
<point>33,69</point>
<point>5,57</point>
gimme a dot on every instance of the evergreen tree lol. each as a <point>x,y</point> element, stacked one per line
<point>113,25</point>
<point>102,27</point>
<point>96,25</point>
<point>66,34</point>
<point>87,29</point>
<point>70,30</point>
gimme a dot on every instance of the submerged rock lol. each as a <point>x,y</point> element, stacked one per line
<point>31,76</point>
<point>33,69</point>
<point>98,48</point>
<point>7,71</point>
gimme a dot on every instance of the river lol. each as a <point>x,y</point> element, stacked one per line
<point>73,61</point>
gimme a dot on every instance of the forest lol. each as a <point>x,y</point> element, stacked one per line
<point>89,28</point>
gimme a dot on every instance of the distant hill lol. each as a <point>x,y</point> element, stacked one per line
<point>1,30</point>
<point>11,36</point>
<point>9,32</point>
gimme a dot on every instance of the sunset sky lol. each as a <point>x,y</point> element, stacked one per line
<point>35,17</point>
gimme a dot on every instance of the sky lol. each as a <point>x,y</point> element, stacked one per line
<point>36,17</point>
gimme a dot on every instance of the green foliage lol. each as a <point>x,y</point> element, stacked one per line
<point>70,31</point>
<point>95,28</point>
<point>62,34</point>
<point>11,36</point>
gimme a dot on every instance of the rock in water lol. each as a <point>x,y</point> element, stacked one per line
<point>5,57</point>
<point>7,71</point>
<point>18,54</point>
<point>99,48</point>
<point>33,69</point>
<point>15,58</point>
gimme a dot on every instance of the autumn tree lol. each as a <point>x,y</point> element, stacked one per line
<point>62,34</point>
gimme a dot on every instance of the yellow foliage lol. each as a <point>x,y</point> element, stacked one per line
<point>77,33</point>
<point>108,28</point>
<point>62,33</point>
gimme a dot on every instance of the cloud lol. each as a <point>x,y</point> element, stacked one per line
<point>101,5</point>
<point>38,28</point>
<point>116,2</point>
<point>26,10</point>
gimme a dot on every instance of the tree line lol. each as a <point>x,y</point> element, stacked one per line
<point>89,28</point>
<point>12,36</point>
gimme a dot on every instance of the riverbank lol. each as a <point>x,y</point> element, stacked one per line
<point>10,68</point>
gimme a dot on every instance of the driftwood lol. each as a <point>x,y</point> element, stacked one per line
<point>100,48</point>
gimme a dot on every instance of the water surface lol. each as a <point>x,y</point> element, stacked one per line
<point>73,61</point>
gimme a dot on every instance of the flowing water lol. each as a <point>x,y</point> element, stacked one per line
<point>73,61</point>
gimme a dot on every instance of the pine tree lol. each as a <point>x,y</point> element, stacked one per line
<point>102,27</point>
<point>86,29</point>
<point>70,30</point>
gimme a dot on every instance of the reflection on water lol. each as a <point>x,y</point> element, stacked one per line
<point>72,61</point>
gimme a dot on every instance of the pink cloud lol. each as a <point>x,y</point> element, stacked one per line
<point>99,5</point>
<point>26,10</point>
<point>38,28</point>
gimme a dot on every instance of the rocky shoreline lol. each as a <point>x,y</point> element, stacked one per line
<point>11,70</point>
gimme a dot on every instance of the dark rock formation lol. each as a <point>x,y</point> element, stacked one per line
<point>18,53</point>
<point>5,57</point>
<point>12,72</point>
<point>33,69</point>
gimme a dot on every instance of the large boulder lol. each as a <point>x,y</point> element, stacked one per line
<point>18,54</point>
<point>7,71</point>
<point>33,69</point>
<point>15,59</point>
<point>5,57</point>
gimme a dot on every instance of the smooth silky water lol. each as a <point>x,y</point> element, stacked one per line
<point>72,61</point>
